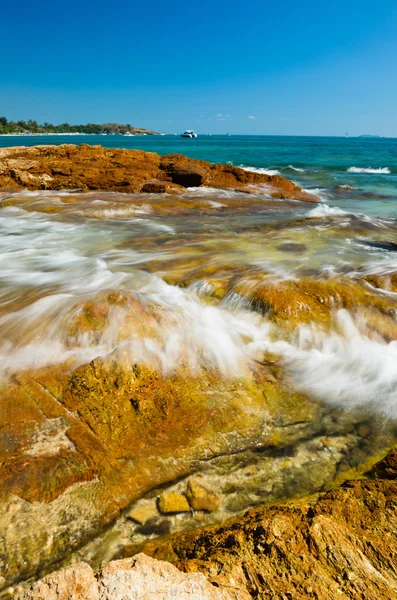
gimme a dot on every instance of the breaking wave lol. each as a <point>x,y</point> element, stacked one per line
<point>260,170</point>
<point>296,169</point>
<point>324,210</point>
<point>381,170</point>
<point>319,192</point>
<point>349,367</point>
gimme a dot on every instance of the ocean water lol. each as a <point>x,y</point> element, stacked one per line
<point>61,250</point>
<point>349,173</point>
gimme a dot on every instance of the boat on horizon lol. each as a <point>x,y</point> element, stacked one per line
<point>129,133</point>
<point>189,133</point>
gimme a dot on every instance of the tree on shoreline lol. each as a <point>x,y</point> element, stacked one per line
<point>33,127</point>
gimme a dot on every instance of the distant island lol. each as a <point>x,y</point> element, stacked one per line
<point>368,135</point>
<point>33,128</point>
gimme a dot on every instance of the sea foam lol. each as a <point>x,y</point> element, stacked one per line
<point>324,210</point>
<point>381,170</point>
<point>349,367</point>
<point>260,170</point>
<point>295,169</point>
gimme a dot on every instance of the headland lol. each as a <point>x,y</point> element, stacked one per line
<point>85,167</point>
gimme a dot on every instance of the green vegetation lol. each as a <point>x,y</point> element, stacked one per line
<point>34,128</point>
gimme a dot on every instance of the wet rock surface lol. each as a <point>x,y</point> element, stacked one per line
<point>342,545</point>
<point>200,498</point>
<point>172,502</point>
<point>339,545</point>
<point>217,447</point>
<point>96,168</point>
<point>169,362</point>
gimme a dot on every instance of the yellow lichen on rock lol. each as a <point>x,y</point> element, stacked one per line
<point>200,498</point>
<point>173,503</point>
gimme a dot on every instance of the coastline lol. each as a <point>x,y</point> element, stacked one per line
<point>128,171</point>
<point>133,437</point>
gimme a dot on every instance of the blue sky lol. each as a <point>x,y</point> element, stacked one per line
<point>292,67</point>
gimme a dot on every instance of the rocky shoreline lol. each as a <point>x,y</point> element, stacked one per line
<point>71,167</point>
<point>341,545</point>
<point>106,457</point>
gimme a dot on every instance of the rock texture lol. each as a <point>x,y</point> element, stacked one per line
<point>173,503</point>
<point>200,498</point>
<point>77,450</point>
<point>139,578</point>
<point>342,545</point>
<point>97,168</point>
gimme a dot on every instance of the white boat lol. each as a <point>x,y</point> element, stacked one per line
<point>129,133</point>
<point>189,133</point>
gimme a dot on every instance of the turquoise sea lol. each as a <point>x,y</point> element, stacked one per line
<point>354,174</point>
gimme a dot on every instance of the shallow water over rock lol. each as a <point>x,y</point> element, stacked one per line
<point>151,345</point>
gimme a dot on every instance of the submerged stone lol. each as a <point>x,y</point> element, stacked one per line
<point>173,503</point>
<point>339,545</point>
<point>200,498</point>
<point>143,512</point>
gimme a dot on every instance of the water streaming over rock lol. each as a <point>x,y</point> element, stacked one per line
<point>219,339</point>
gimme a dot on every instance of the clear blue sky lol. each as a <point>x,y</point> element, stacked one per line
<point>287,67</point>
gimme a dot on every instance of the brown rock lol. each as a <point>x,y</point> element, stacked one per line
<point>173,503</point>
<point>200,498</point>
<point>143,512</point>
<point>386,468</point>
<point>154,187</point>
<point>185,171</point>
<point>387,282</point>
<point>344,545</point>
<point>77,449</point>
<point>97,168</point>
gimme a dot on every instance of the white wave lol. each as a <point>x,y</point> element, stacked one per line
<point>69,264</point>
<point>345,187</point>
<point>319,192</point>
<point>206,191</point>
<point>324,210</point>
<point>260,170</point>
<point>296,169</point>
<point>171,327</point>
<point>156,225</point>
<point>213,204</point>
<point>381,170</point>
<point>119,212</point>
<point>350,367</point>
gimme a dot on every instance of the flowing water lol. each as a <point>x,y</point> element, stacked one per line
<point>171,280</point>
<point>61,249</point>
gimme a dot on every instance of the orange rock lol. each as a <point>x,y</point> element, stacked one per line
<point>341,546</point>
<point>97,168</point>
